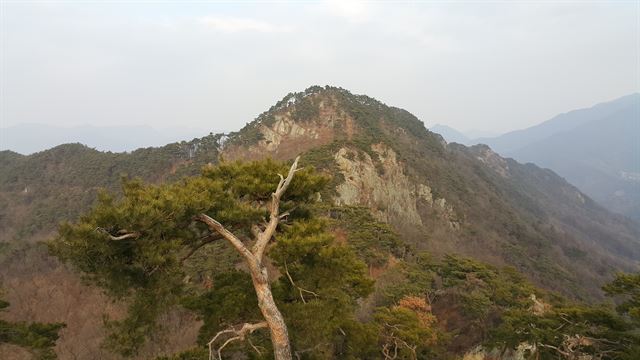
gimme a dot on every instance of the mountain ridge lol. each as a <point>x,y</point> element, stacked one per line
<point>382,161</point>
<point>595,148</point>
<point>384,134</point>
<point>512,140</point>
<point>332,125</point>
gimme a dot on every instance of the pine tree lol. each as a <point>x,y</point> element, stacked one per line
<point>39,338</point>
<point>152,246</point>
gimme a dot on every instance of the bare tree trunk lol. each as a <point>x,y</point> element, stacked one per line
<point>259,274</point>
<point>271,314</point>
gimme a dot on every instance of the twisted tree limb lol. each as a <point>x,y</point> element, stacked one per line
<point>228,235</point>
<point>265,235</point>
<point>300,289</point>
<point>238,334</point>
<point>121,234</point>
<point>207,240</point>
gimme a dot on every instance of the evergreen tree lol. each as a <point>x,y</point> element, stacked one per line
<point>146,247</point>
<point>37,337</point>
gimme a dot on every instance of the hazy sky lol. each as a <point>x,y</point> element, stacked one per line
<point>495,66</point>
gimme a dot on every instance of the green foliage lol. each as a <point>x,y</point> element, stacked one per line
<point>39,338</point>
<point>628,287</point>
<point>372,240</point>
<point>230,301</point>
<point>407,330</point>
<point>360,341</point>
<point>320,285</point>
<point>191,354</point>
<point>469,295</point>
<point>317,291</point>
<point>409,278</point>
<point>483,283</point>
<point>574,328</point>
<point>306,250</point>
<point>147,268</point>
<point>478,287</point>
<point>322,158</point>
<point>62,183</point>
<point>569,329</point>
<point>145,305</point>
<point>499,309</point>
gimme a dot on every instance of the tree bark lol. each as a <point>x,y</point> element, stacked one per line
<point>271,314</point>
<point>259,274</point>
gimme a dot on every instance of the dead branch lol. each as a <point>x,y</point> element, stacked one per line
<point>265,235</point>
<point>387,353</point>
<point>300,290</point>
<point>298,353</point>
<point>214,225</point>
<point>255,347</point>
<point>563,353</point>
<point>392,337</point>
<point>207,240</point>
<point>122,234</point>
<point>239,334</point>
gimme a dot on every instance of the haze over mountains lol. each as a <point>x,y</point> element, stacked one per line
<point>30,138</point>
<point>450,134</point>
<point>597,149</point>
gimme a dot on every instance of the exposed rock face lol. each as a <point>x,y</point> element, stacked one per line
<point>283,128</point>
<point>538,307</point>
<point>446,211</point>
<point>381,184</point>
<point>522,352</point>
<point>424,192</point>
<point>493,161</point>
<point>287,137</point>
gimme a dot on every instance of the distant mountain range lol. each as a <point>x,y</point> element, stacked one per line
<point>597,149</point>
<point>461,137</point>
<point>450,134</point>
<point>30,138</point>
<point>394,190</point>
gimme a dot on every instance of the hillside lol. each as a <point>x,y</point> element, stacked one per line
<point>438,197</point>
<point>600,157</point>
<point>596,149</point>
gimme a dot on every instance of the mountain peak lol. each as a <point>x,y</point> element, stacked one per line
<point>319,116</point>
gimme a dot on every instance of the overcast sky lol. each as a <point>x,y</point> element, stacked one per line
<point>495,66</point>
